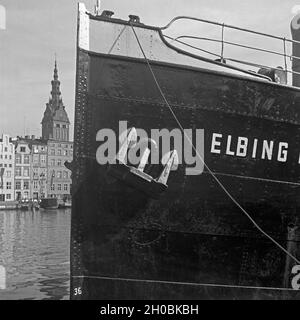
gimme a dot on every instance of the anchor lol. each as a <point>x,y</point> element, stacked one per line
<point>136,176</point>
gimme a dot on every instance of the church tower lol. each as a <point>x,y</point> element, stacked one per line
<point>55,123</point>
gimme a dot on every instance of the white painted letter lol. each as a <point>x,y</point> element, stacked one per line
<point>215,143</point>
<point>282,154</point>
<point>267,149</point>
<point>241,149</point>
<point>228,151</point>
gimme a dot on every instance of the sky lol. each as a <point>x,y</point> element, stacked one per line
<point>36,30</point>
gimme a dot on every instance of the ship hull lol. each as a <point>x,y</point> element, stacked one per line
<point>193,241</point>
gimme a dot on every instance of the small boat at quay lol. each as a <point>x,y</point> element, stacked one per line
<point>64,204</point>
<point>49,203</point>
<point>28,204</point>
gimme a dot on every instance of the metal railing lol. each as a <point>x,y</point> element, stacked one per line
<point>222,41</point>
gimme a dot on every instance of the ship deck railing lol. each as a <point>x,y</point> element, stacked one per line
<point>220,55</point>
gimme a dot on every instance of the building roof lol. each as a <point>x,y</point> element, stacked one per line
<point>55,109</point>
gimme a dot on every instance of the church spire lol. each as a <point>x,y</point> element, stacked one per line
<point>55,123</point>
<point>55,92</point>
<point>55,70</point>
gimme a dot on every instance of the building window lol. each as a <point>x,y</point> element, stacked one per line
<point>35,173</point>
<point>58,163</point>
<point>26,159</point>
<point>18,171</point>
<point>59,174</point>
<point>5,156</point>
<point>59,186</point>
<point>22,149</point>
<point>59,152</point>
<point>8,197</point>
<point>10,157</point>
<point>5,149</point>
<point>64,126</point>
<point>26,185</point>
<point>35,158</point>
<point>10,165</point>
<point>52,152</point>
<point>26,172</point>
<point>52,187</point>
<point>35,184</point>
<point>18,159</point>
<point>8,174</point>
<point>65,187</point>
<point>52,163</point>
<point>65,174</point>
<point>57,125</point>
<point>43,159</point>
<point>8,185</point>
<point>18,185</point>
<point>26,194</point>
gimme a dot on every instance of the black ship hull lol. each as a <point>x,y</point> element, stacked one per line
<point>193,241</point>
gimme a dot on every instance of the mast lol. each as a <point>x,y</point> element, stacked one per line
<point>97,8</point>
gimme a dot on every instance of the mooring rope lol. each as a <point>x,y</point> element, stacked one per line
<point>202,160</point>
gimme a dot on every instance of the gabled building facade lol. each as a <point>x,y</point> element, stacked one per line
<point>7,167</point>
<point>23,158</point>
<point>39,171</point>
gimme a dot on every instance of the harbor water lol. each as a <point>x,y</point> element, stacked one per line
<point>34,251</point>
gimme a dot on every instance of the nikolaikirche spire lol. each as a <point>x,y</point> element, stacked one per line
<point>55,123</point>
<point>55,92</point>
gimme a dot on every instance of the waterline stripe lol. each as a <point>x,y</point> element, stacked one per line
<point>185,283</point>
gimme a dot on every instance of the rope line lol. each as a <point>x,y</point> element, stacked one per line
<point>202,160</point>
<point>116,40</point>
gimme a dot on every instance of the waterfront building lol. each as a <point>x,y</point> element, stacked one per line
<point>7,159</point>
<point>22,174</point>
<point>38,169</point>
<point>55,132</point>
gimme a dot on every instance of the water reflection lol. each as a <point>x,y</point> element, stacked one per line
<point>34,249</point>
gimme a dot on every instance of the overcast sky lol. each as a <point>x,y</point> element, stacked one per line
<point>36,29</point>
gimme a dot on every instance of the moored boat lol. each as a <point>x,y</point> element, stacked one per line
<point>24,205</point>
<point>64,204</point>
<point>49,203</point>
